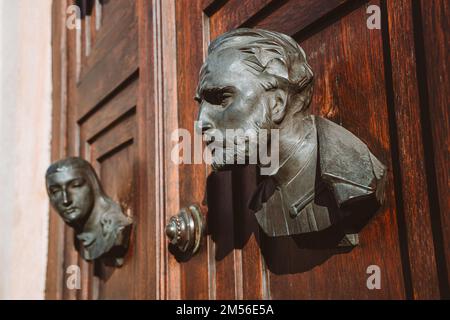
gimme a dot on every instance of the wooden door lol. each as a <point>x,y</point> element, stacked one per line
<point>126,79</point>
<point>365,80</point>
<point>103,113</point>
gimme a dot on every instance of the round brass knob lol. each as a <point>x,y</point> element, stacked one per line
<point>185,230</point>
<point>171,230</point>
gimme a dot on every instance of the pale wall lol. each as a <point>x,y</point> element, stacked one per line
<point>25,126</point>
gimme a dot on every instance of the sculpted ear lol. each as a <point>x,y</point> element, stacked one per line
<point>277,67</point>
<point>278,102</point>
<point>278,97</point>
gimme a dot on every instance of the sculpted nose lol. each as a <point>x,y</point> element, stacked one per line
<point>66,199</point>
<point>203,122</point>
<point>203,126</point>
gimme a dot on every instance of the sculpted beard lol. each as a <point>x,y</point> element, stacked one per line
<point>240,145</point>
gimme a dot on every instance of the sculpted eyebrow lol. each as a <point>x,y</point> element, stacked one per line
<point>210,90</point>
<point>58,185</point>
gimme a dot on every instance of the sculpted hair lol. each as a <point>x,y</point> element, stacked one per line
<point>78,163</point>
<point>273,54</point>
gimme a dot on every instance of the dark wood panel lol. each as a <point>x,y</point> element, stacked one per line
<point>222,231</point>
<point>150,238</point>
<point>233,14</point>
<point>349,88</point>
<point>115,68</point>
<point>99,281</point>
<point>292,16</point>
<point>411,156</point>
<point>194,274</point>
<point>135,88</point>
<point>110,136</point>
<point>114,27</point>
<point>115,138</point>
<point>211,5</point>
<point>436,47</point>
<point>113,10</point>
<point>340,67</point>
<point>112,15</point>
<point>247,235</point>
<point>232,226</point>
<point>110,112</point>
<point>87,283</point>
<point>118,178</point>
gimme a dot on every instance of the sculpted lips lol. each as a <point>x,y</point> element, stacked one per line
<point>88,243</point>
<point>69,212</point>
<point>87,240</point>
<point>208,141</point>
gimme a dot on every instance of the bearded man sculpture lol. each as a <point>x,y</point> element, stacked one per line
<point>101,228</point>
<point>259,79</point>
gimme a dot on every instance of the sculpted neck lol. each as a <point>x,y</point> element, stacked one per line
<point>93,221</point>
<point>295,145</point>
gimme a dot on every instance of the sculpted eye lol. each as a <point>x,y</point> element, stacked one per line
<point>218,96</point>
<point>226,98</point>
<point>54,190</point>
<point>77,183</point>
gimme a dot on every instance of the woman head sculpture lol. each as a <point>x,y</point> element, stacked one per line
<point>77,195</point>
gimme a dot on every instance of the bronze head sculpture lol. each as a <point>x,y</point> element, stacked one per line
<point>259,79</point>
<point>101,228</point>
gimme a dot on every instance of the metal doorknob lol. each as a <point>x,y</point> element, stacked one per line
<point>185,230</point>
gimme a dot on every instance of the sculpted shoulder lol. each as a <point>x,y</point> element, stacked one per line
<point>346,163</point>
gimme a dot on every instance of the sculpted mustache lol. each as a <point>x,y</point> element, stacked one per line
<point>234,141</point>
<point>236,134</point>
<point>229,152</point>
<point>220,139</point>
